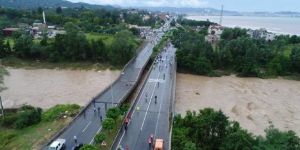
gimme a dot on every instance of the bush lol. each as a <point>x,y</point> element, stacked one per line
<point>8,120</point>
<point>28,116</point>
<point>113,113</point>
<point>60,110</point>
<point>100,138</point>
<point>88,147</point>
<point>108,124</point>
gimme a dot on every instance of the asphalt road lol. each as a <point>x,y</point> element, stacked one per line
<point>88,123</point>
<point>149,117</point>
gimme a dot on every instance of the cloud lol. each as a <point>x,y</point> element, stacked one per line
<point>148,3</point>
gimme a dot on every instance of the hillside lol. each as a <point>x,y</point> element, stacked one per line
<point>27,4</point>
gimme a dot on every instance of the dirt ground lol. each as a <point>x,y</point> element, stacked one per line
<point>47,87</point>
<point>253,102</point>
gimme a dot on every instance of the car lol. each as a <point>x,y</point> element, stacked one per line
<point>58,144</point>
<point>159,144</point>
<point>77,147</point>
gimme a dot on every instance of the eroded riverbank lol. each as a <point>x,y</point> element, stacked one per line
<point>47,87</point>
<point>253,102</point>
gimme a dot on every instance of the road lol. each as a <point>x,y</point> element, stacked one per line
<point>149,117</point>
<point>88,123</point>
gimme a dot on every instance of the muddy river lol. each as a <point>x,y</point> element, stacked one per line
<point>253,102</point>
<point>47,87</point>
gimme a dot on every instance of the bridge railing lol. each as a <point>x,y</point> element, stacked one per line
<point>54,137</point>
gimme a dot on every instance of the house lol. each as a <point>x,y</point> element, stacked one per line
<point>9,31</point>
<point>215,29</point>
<point>261,33</point>
<point>214,33</point>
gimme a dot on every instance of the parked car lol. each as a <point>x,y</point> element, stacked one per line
<point>58,144</point>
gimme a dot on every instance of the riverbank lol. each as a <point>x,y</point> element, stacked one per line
<point>47,87</point>
<point>253,102</point>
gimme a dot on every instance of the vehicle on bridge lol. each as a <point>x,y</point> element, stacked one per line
<point>58,144</point>
<point>159,144</point>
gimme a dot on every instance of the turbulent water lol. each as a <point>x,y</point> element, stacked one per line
<point>47,87</point>
<point>280,25</point>
<point>253,102</point>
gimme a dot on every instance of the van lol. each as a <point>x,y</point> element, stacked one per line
<point>159,144</point>
<point>58,144</point>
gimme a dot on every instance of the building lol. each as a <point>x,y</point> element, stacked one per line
<point>261,34</point>
<point>9,31</point>
<point>214,33</point>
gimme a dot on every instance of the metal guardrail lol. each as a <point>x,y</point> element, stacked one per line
<point>132,106</point>
<point>90,102</point>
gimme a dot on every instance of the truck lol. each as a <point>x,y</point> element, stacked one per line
<point>159,144</point>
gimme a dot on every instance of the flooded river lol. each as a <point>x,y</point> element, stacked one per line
<point>253,102</point>
<point>47,87</point>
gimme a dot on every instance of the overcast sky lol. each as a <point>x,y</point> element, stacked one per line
<point>237,5</point>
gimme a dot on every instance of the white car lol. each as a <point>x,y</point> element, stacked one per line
<point>58,144</point>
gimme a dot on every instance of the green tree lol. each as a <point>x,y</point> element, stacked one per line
<point>108,124</point>
<point>190,146</point>
<point>295,59</point>
<point>113,113</point>
<point>28,116</point>
<point>99,138</point>
<point>122,49</point>
<point>58,10</point>
<point>23,46</point>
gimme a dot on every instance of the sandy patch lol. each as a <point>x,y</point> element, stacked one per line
<point>46,87</point>
<point>252,102</point>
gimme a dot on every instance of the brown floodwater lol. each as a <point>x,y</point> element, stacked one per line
<point>47,87</point>
<point>253,102</point>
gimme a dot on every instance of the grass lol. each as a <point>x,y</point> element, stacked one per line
<point>32,137</point>
<point>35,136</point>
<point>38,64</point>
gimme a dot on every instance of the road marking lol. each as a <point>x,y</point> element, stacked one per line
<point>149,103</point>
<point>86,126</point>
<point>96,134</point>
<point>159,111</point>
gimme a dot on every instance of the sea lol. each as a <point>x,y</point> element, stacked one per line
<point>278,25</point>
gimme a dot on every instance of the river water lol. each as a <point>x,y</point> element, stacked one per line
<point>47,87</point>
<point>280,25</point>
<point>253,102</point>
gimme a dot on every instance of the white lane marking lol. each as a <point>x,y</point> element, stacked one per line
<point>96,134</point>
<point>149,103</point>
<point>121,138</point>
<point>86,126</point>
<point>159,112</point>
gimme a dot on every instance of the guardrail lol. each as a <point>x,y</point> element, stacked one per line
<point>131,107</point>
<point>98,95</point>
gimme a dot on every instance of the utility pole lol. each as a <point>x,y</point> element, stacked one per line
<point>1,106</point>
<point>221,15</point>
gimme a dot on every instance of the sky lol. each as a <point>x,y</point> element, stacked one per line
<point>235,5</point>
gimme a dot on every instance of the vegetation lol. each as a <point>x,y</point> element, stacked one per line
<point>58,111</point>
<point>111,126</point>
<point>25,128</point>
<point>93,35</point>
<point>236,52</point>
<point>209,129</point>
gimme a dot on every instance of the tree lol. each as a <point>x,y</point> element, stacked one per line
<point>190,146</point>
<point>99,138</point>
<point>122,49</point>
<point>113,113</point>
<point>295,59</point>
<point>58,10</point>
<point>108,124</point>
<point>276,139</point>
<point>23,46</point>
<point>28,116</point>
